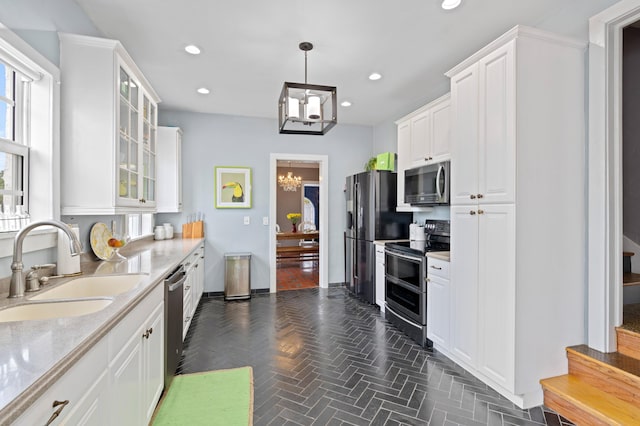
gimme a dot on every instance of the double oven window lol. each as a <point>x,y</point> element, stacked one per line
<point>405,285</point>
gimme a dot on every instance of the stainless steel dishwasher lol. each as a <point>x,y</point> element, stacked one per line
<point>173,322</point>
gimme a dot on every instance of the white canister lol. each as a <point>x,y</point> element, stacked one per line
<point>168,230</point>
<point>412,231</point>
<point>158,233</point>
<point>420,236</point>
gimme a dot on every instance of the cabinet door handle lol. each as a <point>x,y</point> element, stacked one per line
<point>480,211</point>
<point>472,196</point>
<point>187,288</point>
<point>435,267</point>
<point>145,335</point>
<point>187,319</point>
<point>150,330</point>
<point>472,212</point>
<point>60,405</point>
<point>480,196</point>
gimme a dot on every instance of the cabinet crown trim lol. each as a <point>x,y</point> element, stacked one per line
<point>424,108</point>
<point>119,49</point>
<point>519,31</point>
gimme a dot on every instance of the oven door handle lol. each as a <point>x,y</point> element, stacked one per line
<point>409,287</point>
<point>404,256</point>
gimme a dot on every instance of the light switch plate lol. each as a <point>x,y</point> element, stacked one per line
<point>247,220</point>
<point>265,220</point>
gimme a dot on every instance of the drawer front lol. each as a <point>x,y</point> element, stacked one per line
<point>437,267</point>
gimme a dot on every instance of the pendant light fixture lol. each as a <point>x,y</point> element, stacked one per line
<point>290,182</point>
<point>307,109</point>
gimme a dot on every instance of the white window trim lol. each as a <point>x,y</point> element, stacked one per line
<point>44,132</point>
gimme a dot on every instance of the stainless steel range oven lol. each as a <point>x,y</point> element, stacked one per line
<point>405,280</point>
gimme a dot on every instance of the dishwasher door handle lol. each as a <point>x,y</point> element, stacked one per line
<point>173,287</point>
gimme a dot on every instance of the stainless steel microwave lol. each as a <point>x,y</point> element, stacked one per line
<point>427,185</point>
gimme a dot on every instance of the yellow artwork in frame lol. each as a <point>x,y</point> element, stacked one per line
<point>232,187</point>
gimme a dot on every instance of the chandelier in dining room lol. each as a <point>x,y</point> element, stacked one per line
<point>290,182</point>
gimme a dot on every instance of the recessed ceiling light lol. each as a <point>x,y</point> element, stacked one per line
<point>194,50</point>
<point>375,76</point>
<point>450,4</point>
<point>203,91</point>
<point>346,104</point>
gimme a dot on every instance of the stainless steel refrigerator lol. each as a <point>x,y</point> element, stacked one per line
<point>371,215</point>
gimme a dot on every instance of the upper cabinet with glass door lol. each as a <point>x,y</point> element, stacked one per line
<point>108,127</point>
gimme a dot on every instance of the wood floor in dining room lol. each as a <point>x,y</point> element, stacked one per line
<point>296,274</point>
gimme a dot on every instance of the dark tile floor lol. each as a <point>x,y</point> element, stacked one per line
<point>321,357</point>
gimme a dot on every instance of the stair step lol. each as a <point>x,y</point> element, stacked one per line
<point>614,373</point>
<point>584,404</point>
<point>628,342</point>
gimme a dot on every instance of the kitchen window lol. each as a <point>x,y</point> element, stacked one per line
<point>29,142</point>
<point>139,225</point>
<point>14,152</point>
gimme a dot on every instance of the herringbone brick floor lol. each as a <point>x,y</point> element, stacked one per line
<point>321,357</point>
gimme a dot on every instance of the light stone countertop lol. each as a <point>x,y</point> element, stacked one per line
<point>34,354</point>
<point>383,242</point>
<point>442,255</point>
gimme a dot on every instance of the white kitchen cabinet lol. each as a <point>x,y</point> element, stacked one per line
<point>380,277</point>
<point>169,170</point>
<point>137,361</point>
<point>484,106</point>
<point>84,389</point>
<point>403,163</point>
<point>517,183</point>
<point>423,138</point>
<point>193,287</point>
<point>438,303</point>
<point>108,129</point>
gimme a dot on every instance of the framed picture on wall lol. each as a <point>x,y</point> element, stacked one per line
<point>232,187</point>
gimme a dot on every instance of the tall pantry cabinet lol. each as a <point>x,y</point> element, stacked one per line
<point>517,210</point>
<point>108,128</point>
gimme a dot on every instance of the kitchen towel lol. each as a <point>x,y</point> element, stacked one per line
<point>220,397</point>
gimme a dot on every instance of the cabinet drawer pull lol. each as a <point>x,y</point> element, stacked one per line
<point>436,267</point>
<point>472,212</point>
<point>480,211</point>
<point>60,405</point>
<point>472,196</point>
<point>187,319</point>
<point>187,288</point>
<point>480,196</point>
<point>145,335</point>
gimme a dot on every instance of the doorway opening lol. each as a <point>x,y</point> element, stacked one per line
<point>298,251</point>
<point>298,225</point>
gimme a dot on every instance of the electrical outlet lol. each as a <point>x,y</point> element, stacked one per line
<point>247,220</point>
<point>265,220</point>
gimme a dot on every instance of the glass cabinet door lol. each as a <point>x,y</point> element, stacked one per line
<point>129,137</point>
<point>149,151</point>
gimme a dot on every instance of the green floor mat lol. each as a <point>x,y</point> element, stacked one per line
<point>222,397</point>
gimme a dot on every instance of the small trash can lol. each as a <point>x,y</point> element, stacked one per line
<point>237,276</point>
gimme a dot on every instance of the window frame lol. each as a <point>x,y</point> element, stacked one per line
<point>42,130</point>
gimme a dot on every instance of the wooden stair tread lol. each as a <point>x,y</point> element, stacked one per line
<point>630,278</point>
<point>614,360</point>
<point>595,402</point>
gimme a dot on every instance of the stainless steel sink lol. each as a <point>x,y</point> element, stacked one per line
<point>94,286</point>
<point>49,310</point>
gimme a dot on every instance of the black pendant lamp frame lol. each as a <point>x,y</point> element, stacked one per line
<point>298,122</point>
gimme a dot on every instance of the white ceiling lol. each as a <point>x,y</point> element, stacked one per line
<point>250,47</point>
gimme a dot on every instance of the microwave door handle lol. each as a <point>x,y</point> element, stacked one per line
<point>438,189</point>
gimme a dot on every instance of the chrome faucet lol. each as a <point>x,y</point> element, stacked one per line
<point>17,285</point>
